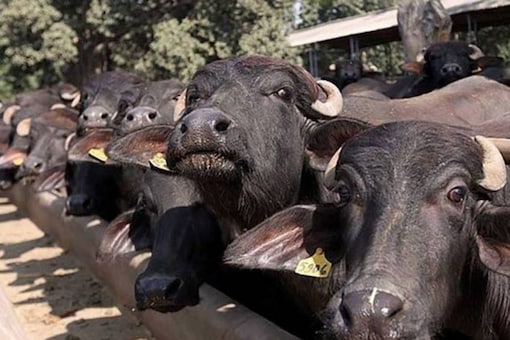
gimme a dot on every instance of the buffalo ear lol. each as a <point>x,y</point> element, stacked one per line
<point>281,241</point>
<point>140,146</point>
<point>123,235</point>
<point>488,61</point>
<point>412,67</point>
<point>97,139</point>
<point>326,139</point>
<point>494,255</point>
<point>51,179</point>
<point>493,239</point>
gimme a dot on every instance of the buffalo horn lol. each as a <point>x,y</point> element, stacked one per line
<point>494,168</point>
<point>23,127</point>
<point>476,52</point>
<point>329,173</point>
<point>420,57</point>
<point>180,106</point>
<point>9,112</point>
<point>333,105</point>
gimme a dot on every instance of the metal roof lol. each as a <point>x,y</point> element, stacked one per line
<point>380,27</point>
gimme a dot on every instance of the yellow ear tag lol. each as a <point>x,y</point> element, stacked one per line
<point>316,265</point>
<point>18,161</point>
<point>159,162</point>
<point>98,153</point>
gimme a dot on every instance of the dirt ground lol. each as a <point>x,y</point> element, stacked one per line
<point>53,296</point>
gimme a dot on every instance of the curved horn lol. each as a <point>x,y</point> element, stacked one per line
<point>420,57</point>
<point>494,168</point>
<point>9,112</point>
<point>333,104</point>
<point>180,106</point>
<point>57,106</point>
<point>23,127</point>
<point>76,100</point>
<point>69,139</point>
<point>329,173</point>
<point>476,52</point>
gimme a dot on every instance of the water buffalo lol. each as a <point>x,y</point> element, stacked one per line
<point>99,98</point>
<point>441,64</point>
<point>419,240</point>
<point>48,134</point>
<point>474,102</point>
<point>146,104</point>
<point>350,76</point>
<point>228,158</point>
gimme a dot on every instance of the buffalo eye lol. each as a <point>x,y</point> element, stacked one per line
<point>285,93</point>
<point>457,194</point>
<point>193,97</point>
<point>344,192</point>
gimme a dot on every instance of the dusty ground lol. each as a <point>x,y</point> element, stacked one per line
<point>53,297</point>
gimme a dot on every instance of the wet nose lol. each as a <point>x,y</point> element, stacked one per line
<point>95,116</point>
<point>451,69</point>
<point>34,164</point>
<point>370,308</point>
<point>205,121</point>
<point>158,291</point>
<point>79,205</point>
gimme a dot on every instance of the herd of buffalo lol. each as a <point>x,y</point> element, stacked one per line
<point>380,211</point>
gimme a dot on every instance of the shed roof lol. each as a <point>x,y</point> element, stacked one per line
<point>381,26</point>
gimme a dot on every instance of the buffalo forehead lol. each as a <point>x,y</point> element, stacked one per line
<point>411,150</point>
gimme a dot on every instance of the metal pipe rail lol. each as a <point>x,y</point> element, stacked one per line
<point>216,317</point>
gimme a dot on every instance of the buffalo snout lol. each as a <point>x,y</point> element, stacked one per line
<point>33,165</point>
<point>94,117</point>
<point>139,117</point>
<point>164,293</point>
<point>371,311</point>
<point>205,123</point>
<point>451,70</point>
<point>79,205</point>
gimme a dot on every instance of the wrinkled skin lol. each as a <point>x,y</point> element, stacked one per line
<point>228,156</point>
<point>405,239</point>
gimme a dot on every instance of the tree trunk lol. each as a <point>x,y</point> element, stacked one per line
<point>421,23</point>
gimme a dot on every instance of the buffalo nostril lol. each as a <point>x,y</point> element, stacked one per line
<point>221,125</point>
<point>346,316</point>
<point>85,117</point>
<point>183,128</point>
<point>104,115</point>
<point>173,287</point>
<point>387,305</point>
<point>38,165</point>
<point>152,115</point>
<point>130,117</point>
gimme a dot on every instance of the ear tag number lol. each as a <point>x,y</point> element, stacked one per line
<point>98,153</point>
<point>18,161</point>
<point>316,265</point>
<point>159,162</point>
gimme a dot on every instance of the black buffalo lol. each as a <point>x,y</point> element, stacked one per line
<point>439,65</point>
<point>234,158</point>
<point>420,238</point>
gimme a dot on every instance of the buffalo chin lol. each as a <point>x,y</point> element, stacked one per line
<point>209,166</point>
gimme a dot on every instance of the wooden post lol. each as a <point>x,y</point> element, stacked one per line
<point>421,23</point>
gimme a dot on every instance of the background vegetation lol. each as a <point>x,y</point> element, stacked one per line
<point>46,41</point>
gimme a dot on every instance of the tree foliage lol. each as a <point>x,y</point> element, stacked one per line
<point>45,41</point>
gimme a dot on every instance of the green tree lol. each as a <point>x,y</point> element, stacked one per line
<point>215,30</point>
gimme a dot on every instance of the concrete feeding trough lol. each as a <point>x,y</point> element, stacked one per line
<point>216,317</point>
